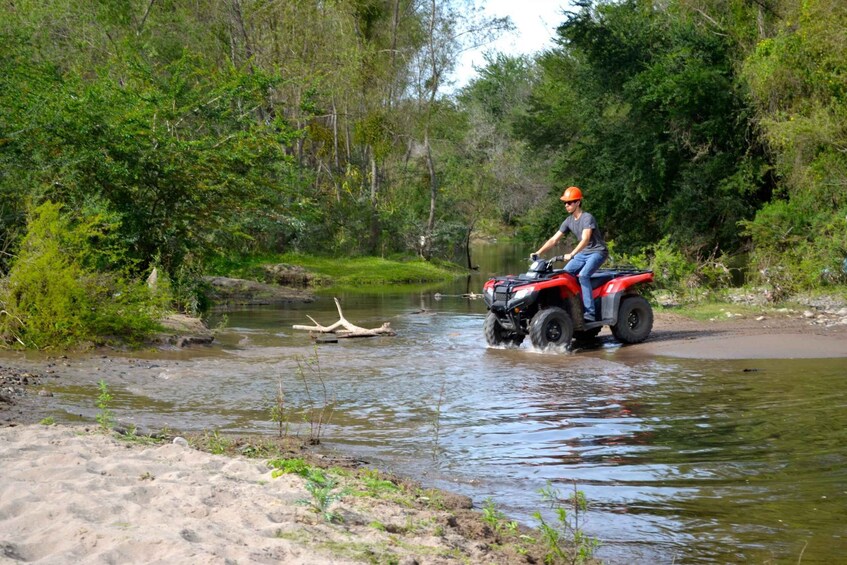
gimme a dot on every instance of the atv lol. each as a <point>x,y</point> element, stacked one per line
<point>546,304</point>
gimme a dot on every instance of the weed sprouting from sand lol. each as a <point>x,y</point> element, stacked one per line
<point>277,411</point>
<point>48,421</point>
<point>130,434</point>
<point>318,416</point>
<point>565,540</point>
<point>104,400</point>
<point>295,466</point>
<point>436,424</point>
<point>375,485</point>
<point>496,520</point>
<point>218,444</point>
<point>325,491</point>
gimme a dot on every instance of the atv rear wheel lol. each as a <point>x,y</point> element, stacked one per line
<point>551,326</point>
<point>635,320</point>
<point>496,334</point>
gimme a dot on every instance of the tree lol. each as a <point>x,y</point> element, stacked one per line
<point>644,111</point>
<point>451,26</point>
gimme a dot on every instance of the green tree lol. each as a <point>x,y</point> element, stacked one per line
<point>643,110</point>
<point>798,78</point>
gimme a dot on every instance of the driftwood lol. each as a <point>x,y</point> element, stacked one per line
<point>349,330</point>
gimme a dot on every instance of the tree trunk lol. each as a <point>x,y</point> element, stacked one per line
<point>433,195</point>
<point>395,23</point>
<point>468,244</point>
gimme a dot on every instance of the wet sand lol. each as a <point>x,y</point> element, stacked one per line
<point>770,346</point>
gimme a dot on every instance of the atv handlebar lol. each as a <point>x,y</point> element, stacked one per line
<point>557,259</point>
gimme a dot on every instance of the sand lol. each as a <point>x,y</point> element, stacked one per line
<point>73,496</point>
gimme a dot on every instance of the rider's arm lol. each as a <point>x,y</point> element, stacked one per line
<point>551,242</point>
<point>583,243</point>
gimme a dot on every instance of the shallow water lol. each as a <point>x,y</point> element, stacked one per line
<point>681,460</point>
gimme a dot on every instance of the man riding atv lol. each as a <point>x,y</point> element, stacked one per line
<point>590,251</point>
<point>552,306</point>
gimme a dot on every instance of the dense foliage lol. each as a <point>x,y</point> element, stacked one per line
<point>714,126</point>
<point>194,131</point>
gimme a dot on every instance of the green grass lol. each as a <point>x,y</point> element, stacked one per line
<point>706,311</point>
<point>345,271</point>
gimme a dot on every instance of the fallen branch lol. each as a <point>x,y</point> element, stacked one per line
<point>349,330</point>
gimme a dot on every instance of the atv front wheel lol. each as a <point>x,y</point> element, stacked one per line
<point>635,320</point>
<point>496,334</point>
<point>551,326</point>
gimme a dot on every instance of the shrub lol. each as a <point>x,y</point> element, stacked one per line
<point>52,298</point>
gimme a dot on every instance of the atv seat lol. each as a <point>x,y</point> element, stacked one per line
<point>600,278</point>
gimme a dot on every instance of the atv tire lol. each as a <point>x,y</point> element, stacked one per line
<point>635,320</point>
<point>495,334</point>
<point>551,327</point>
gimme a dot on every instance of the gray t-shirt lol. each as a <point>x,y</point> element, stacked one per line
<point>596,244</point>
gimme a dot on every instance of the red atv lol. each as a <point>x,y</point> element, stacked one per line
<point>546,304</point>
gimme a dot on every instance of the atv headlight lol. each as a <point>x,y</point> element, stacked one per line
<point>489,292</point>
<point>523,292</point>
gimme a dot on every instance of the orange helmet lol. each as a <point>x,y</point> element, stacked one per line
<point>571,193</point>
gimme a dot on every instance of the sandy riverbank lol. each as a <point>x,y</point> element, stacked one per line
<point>787,336</point>
<point>68,495</point>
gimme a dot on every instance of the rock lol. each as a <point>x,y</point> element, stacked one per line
<point>289,275</point>
<point>180,441</point>
<point>808,314</point>
<point>153,279</point>
<point>186,340</point>
<point>228,291</point>
<point>182,331</point>
<point>760,318</point>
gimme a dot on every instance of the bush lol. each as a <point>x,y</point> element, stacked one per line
<point>52,298</point>
<point>797,251</point>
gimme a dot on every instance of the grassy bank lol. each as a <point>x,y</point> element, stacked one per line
<point>343,271</point>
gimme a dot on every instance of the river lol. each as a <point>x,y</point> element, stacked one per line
<point>681,460</point>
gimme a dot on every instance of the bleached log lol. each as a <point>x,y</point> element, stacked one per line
<point>343,328</point>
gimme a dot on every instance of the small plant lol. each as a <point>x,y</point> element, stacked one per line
<point>104,400</point>
<point>131,435</point>
<point>565,540</point>
<point>436,424</point>
<point>318,416</point>
<point>218,445</point>
<point>48,421</point>
<point>277,411</point>
<point>324,490</point>
<point>375,485</point>
<point>377,525</point>
<point>496,520</point>
<point>289,466</point>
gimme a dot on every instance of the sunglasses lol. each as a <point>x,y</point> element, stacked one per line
<point>570,202</point>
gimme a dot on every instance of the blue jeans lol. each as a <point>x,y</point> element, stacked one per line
<point>584,265</point>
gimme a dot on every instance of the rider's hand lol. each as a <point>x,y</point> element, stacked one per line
<point>568,256</point>
<point>533,256</point>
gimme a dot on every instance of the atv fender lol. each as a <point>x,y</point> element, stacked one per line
<point>614,291</point>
